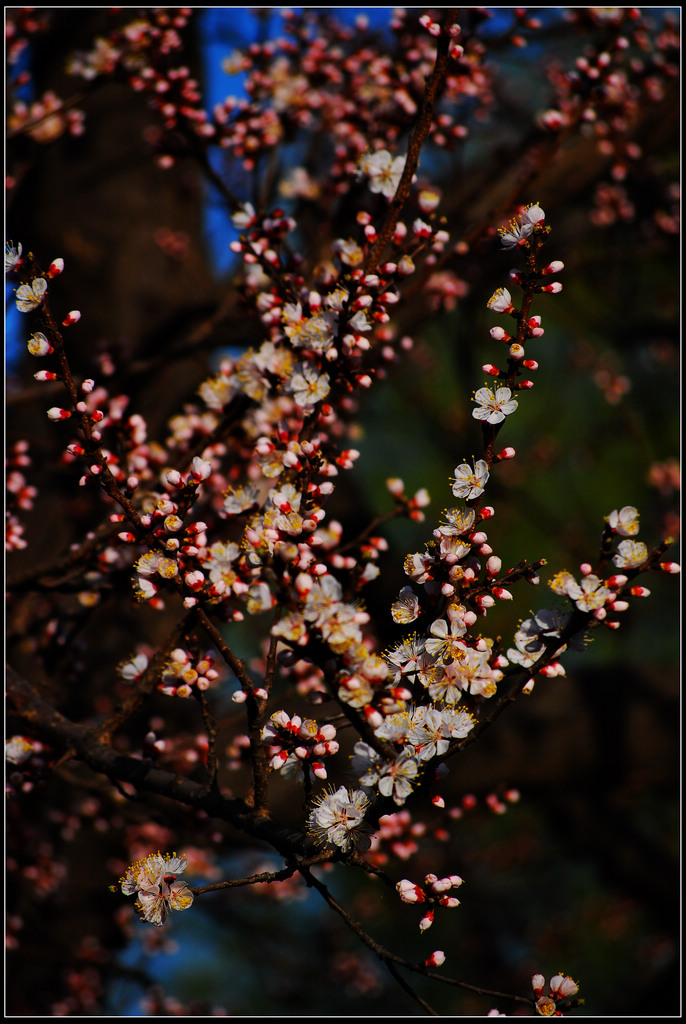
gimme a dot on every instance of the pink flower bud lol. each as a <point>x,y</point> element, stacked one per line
<point>506,453</point>
<point>671,567</point>
<point>56,267</point>
<point>530,364</point>
<point>494,565</point>
<point>409,892</point>
<point>45,375</point>
<point>639,592</point>
<point>200,469</point>
<point>502,594</point>
<point>436,959</point>
<point>71,318</point>
<point>58,414</point>
<point>491,370</point>
<point>427,920</point>
<point>194,580</point>
<point>449,901</point>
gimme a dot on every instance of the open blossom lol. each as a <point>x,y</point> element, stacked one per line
<point>29,296</point>
<point>625,521</point>
<point>12,256</point>
<point>561,987</point>
<point>630,554</point>
<point>519,230</point>
<point>501,301</point>
<point>308,386</point>
<point>384,171</point>
<point>406,607</point>
<point>154,880</point>
<point>396,777</point>
<point>588,596</point>
<point>469,483</point>
<point>493,407</point>
<point>337,817</point>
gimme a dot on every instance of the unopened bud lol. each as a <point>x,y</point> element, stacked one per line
<point>71,318</point>
<point>58,414</point>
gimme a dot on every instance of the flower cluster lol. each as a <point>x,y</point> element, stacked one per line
<point>153,880</point>
<point>560,989</point>
<point>296,745</point>
<point>230,515</point>
<point>434,893</point>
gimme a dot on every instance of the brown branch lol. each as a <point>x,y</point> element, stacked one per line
<point>434,85</point>
<point>44,721</point>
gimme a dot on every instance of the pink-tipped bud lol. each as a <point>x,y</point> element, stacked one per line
<point>56,267</point>
<point>553,288</point>
<point>525,385</point>
<point>505,454</point>
<point>498,334</point>
<point>438,801</point>
<point>45,375</point>
<point>494,565</point>
<point>194,580</point>
<point>438,956</point>
<point>58,414</point>
<point>553,267</point>
<point>127,537</point>
<point>491,370</point>
<point>502,594</point>
<point>71,318</point>
<point>530,364</point>
<point>409,892</point>
<point>200,469</point>
<point>672,567</point>
<point>374,717</point>
<point>639,592</point>
<point>616,581</point>
<point>427,920</point>
<point>449,901</point>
